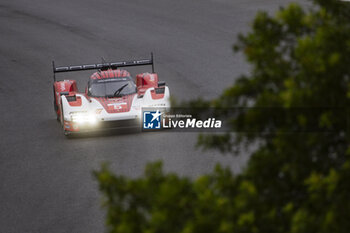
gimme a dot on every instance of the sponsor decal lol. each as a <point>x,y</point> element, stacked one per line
<point>111,80</point>
<point>116,105</point>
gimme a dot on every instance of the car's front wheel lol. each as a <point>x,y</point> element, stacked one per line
<point>66,133</point>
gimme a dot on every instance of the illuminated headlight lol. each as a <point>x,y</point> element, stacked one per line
<point>83,117</point>
<point>91,119</point>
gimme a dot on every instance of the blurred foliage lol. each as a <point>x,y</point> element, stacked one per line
<point>296,183</point>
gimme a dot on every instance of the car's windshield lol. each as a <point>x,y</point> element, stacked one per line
<point>111,87</point>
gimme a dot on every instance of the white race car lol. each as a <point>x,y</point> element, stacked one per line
<point>111,100</point>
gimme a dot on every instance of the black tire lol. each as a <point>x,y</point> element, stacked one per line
<point>57,116</point>
<point>61,115</point>
<point>66,133</point>
<point>54,103</point>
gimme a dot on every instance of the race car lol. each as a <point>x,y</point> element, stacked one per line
<point>111,99</point>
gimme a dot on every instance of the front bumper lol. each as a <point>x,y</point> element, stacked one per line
<point>74,127</point>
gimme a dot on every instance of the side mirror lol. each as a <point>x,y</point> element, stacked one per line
<point>64,93</point>
<point>161,84</point>
<point>86,94</point>
<point>161,87</point>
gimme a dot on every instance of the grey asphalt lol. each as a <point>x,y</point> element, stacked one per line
<point>46,183</point>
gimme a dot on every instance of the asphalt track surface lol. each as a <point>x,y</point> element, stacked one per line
<point>46,182</point>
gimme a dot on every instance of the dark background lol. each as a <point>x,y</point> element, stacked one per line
<point>46,182</point>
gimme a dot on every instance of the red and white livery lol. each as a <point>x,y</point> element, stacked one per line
<point>111,99</point>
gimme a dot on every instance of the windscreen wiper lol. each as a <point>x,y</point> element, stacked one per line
<point>117,92</point>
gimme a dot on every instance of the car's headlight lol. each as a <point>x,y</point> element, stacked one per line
<point>83,117</point>
<point>91,119</point>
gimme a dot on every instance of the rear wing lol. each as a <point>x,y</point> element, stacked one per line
<point>102,66</point>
